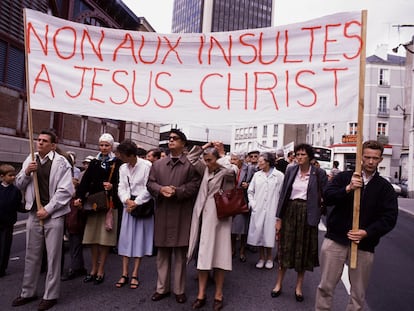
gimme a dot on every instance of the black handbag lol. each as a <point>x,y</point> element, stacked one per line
<point>143,210</point>
<point>99,201</point>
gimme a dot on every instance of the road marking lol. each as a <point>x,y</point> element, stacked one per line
<point>345,279</point>
<point>321,226</point>
<point>19,231</point>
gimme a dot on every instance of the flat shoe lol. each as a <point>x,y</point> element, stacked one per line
<point>20,301</point>
<point>199,303</point>
<point>260,264</point>
<point>242,258</point>
<point>181,298</point>
<point>276,294</point>
<point>89,278</point>
<point>217,305</point>
<point>134,285</point>
<point>157,296</point>
<point>269,264</point>
<point>124,279</point>
<point>299,298</point>
<point>46,304</point>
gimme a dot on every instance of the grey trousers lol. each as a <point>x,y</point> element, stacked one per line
<point>332,258</point>
<point>50,235</point>
<point>164,263</point>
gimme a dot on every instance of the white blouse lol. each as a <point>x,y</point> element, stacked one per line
<point>133,181</point>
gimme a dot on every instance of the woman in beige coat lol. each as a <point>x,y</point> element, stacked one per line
<point>213,236</point>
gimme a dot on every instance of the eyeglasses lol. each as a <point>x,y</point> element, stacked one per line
<point>174,138</point>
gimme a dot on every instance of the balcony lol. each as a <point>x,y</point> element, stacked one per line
<point>383,139</point>
<point>383,112</point>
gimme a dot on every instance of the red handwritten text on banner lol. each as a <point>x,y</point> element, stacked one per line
<point>299,73</point>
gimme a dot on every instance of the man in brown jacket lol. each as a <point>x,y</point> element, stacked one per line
<point>174,183</point>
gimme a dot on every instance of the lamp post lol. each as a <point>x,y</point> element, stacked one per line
<point>409,98</point>
<point>411,129</point>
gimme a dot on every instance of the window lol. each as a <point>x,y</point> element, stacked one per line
<point>384,77</point>
<point>382,128</point>
<point>275,129</point>
<point>274,143</point>
<point>12,66</point>
<point>382,103</point>
<point>353,128</point>
<point>264,130</point>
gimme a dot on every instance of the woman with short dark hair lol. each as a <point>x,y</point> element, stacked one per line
<point>298,215</point>
<point>137,234</point>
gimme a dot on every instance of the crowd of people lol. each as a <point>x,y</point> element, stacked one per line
<point>154,203</point>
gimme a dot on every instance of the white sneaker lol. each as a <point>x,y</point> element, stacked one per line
<point>260,264</point>
<point>269,264</point>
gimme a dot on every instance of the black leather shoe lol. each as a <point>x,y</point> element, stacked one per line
<point>181,298</point>
<point>72,274</point>
<point>157,296</point>
<point>20,301</point>
<point>276,294</point>
<point>46,304</point>
<point>99,279</point>
<point>89,278</point>
<point>199,303</point>
<point>299,298</point>
<point>217,305</point>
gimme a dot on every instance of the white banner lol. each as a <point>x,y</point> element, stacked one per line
<point>298,73</point>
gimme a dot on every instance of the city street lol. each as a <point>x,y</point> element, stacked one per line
<point>246,288</point>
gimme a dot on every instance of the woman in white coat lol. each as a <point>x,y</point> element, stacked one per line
<point>263,192</point>
<point>213,236</point>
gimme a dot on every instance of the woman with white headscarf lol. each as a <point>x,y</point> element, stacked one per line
<point>102,174</point>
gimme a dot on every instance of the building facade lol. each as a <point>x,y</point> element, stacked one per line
<point>385,118</point>
<point>76,133</point>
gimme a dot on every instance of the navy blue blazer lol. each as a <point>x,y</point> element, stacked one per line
<point>313,194</point>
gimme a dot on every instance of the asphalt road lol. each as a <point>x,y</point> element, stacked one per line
<point>246,288</point>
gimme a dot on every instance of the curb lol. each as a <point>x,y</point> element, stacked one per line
<point>20,225</point>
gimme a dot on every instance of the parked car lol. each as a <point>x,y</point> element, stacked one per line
<point>396,187</point>
<point>404,188</point>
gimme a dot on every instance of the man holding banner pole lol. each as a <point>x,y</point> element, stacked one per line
<point>46,222</point>
<point>378,216</point>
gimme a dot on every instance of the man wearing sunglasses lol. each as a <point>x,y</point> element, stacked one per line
<point>174,184</point>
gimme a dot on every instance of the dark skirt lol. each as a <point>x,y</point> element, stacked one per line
<point>298,247</point>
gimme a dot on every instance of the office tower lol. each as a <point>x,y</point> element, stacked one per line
<point>221,15</point>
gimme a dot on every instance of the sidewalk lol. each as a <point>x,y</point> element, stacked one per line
<point>406,205</point>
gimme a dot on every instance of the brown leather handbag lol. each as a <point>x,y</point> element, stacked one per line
<point>230,202</point>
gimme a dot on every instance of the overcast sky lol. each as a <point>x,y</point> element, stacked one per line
<point>383,16</point>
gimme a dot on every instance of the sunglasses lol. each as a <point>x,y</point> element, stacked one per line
<point>174,138</point>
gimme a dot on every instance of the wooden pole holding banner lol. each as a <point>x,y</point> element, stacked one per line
<point>357,192</point>
<point>30,120</point>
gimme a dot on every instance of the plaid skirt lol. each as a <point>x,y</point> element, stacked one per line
<point>298,243</point>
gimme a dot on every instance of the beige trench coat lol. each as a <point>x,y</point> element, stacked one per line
<point>213,236</point>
